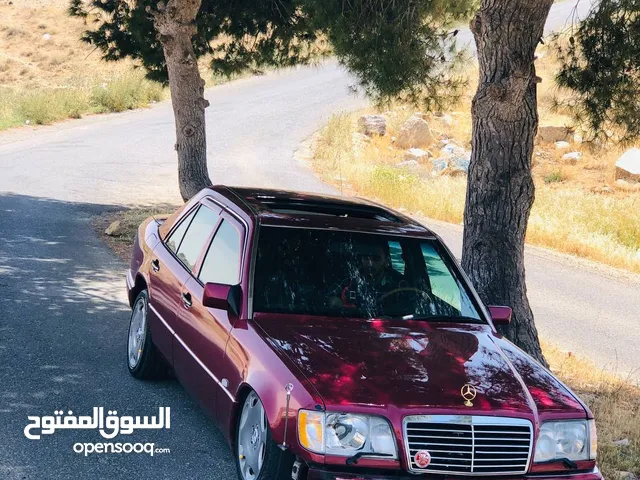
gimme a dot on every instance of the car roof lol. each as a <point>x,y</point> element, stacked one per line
<point>311,210</point>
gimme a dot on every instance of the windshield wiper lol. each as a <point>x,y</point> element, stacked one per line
<point>442,318</point>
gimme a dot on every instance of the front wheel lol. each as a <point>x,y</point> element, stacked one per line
<point>258,457</point>
<point>143,358</point>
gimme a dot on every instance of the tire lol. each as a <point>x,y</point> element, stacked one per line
<point>144,360</point>
<point>253,441</point>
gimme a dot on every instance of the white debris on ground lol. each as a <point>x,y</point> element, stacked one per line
<point>628,165</point>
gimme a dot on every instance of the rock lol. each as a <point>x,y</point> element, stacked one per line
<point>562,145</point>
<point>113,230</point>
<point>571,158</point>
<point>393,139</point>
<point>628,165</point>
<point>622,443</point>
<point>414,132</point>
<point>577,138</point>
<point>452,149</point>
<point>417,154</point>
<point>46,37</point>
<point>439,164</point>
<point>554,134</point>
<point>409,164</point>
<point>457,157</point>
<point>422,115</point>
<point>372,125</point>
<point>460,162</point>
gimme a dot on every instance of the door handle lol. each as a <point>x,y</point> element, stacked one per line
<point>186,299</point>
<point>155,264</point>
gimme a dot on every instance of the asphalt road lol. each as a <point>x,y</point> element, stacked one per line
<point>63,316</point>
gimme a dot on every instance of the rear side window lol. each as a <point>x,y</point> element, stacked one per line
<point>222,262</point>
<point>173,242</point>
<point>196,236</point>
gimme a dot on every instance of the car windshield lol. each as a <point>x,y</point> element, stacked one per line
<point>358,275</point>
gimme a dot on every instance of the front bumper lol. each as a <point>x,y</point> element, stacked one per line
<point>316,474</point>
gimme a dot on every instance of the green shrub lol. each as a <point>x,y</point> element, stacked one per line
<point>126,92</point>
<point>554,177</point>
<point>50,105</point>
<point>385,178</point>
<point>9,114</point>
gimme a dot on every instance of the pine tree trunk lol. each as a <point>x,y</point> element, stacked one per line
<point>500,189</point>
<point>175,24</point>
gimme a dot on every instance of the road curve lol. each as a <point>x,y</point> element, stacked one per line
<point>63,315</point>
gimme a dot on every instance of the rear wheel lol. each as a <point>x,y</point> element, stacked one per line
<point>258,457</point>
<point>143,358</point>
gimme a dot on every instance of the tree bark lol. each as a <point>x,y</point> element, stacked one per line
<point>175,24</point>
<point>500,189</point>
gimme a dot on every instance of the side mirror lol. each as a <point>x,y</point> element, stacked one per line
<point>223,297</point>
<point>500,315</point>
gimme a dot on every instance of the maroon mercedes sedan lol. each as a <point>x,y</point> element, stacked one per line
<point>335,339</point>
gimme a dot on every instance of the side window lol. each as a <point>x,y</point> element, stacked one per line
<point>197,234</point>
<point>443,284</point>
<point>173,242</point>
<point>222,261</point>
<point>395,252</point>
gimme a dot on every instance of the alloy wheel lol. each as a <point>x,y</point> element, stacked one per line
<point>252,437</point>
<point>137,332</point>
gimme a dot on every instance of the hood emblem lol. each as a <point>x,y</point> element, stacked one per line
<point>422,459</point>
<point>469,393</point>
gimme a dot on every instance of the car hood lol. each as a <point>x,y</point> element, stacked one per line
<point>414,365</point>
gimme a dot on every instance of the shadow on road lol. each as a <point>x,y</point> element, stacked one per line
<point>63,327</point>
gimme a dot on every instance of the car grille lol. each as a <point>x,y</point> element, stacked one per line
<point>469,445</point>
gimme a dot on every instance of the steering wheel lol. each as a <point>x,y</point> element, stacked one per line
<point>400,290</point>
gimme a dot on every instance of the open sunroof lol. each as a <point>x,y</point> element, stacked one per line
<point>293,207</point>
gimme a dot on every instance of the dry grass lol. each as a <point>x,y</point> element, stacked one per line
<point>615,403</point>
<point>47,74</point>
<point>130,219</point>
<point>579,209</point>
<point>40,47</point>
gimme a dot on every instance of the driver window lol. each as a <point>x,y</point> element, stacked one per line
<point>222,261</point>
<point>174,240</point>
<point>196,236</point>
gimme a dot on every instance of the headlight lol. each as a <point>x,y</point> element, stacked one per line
<point>345,434</point>
<point>572,439</point>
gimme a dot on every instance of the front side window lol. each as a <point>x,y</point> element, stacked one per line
<point>222,261</point>
<point>196,236</point>
<point>348,274</point>
<point>444,284</point>
<point>173,242</point>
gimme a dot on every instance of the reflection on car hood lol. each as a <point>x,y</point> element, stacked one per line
<point>415,364</point>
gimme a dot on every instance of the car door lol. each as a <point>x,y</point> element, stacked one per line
<point>166,278</point>
<point>203,332</point>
